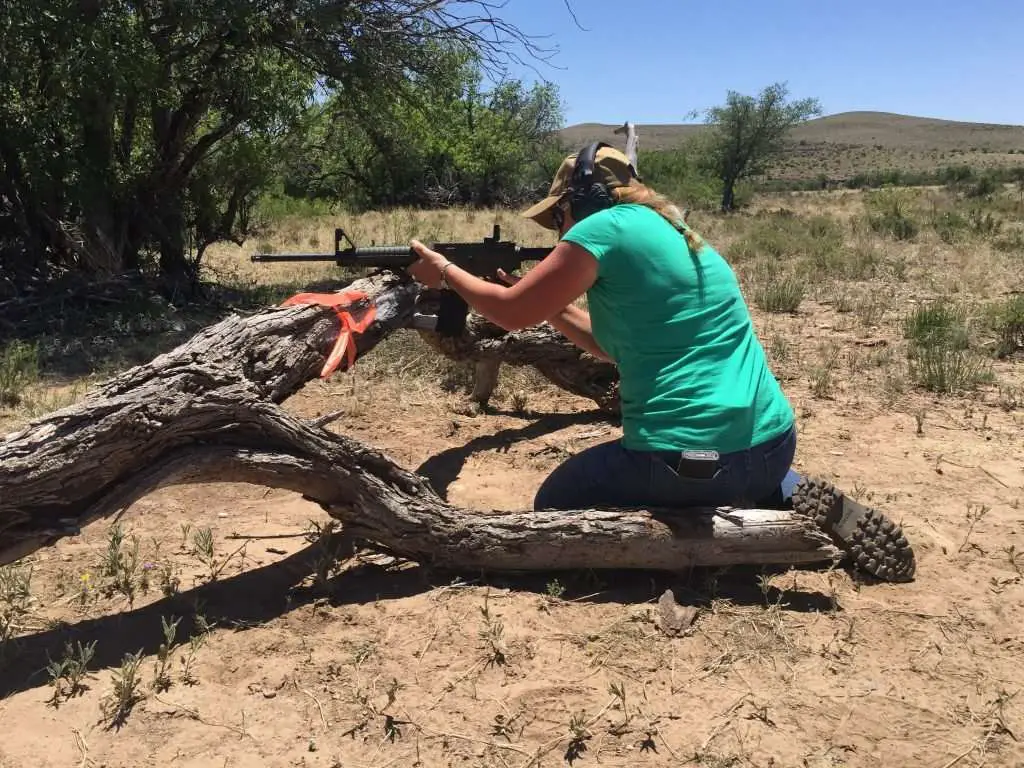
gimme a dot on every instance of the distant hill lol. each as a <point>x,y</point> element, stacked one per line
<point>850,142</point>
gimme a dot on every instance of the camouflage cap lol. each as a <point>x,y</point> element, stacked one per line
<point>611,167</point>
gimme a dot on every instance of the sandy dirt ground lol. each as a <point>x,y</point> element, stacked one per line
<point>386,663</point>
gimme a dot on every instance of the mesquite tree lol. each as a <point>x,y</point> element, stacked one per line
<point>443,140</point>
<point>138,132</point>
<point>747,132</point>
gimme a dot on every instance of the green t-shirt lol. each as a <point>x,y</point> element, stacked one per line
<point>692,372</point>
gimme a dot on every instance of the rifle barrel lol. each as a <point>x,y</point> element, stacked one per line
<point>382,255</point>
<point>399,254</point>
<point>293,257</point>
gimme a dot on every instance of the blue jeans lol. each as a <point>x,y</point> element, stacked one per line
<point>610,475</point>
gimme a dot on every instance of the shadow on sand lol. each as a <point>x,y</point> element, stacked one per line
<point>252,598</point>
<point>443,468</point>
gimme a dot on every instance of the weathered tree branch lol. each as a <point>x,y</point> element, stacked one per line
<point>632,141</point>
<point>558,360</point>
<point>207,411</point>
<point>59,472</point>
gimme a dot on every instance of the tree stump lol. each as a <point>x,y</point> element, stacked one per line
<point>208,411</point>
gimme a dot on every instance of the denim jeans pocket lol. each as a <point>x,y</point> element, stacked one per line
<point>674,490</point>
<point>687,471</point>
<point>777,457</point>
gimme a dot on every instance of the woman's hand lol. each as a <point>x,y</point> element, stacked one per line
<point>506,278</point>
<point>427,270</point>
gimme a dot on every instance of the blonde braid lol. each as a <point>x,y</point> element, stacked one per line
<point>640,194</point>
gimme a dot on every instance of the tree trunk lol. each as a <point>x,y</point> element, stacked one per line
<point>728,196</point>
<point>173,264</point>
<point>207,411</point>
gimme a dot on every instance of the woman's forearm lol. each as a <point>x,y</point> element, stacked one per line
<point>562,277</point>
<point>491,301</point>
<point>487,299</point>
<point>574,323</point>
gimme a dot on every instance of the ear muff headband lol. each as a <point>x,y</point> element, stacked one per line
<point>587,195</point>
<point>583,169</point>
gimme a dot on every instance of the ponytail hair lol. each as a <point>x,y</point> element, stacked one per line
<point>640,194</point>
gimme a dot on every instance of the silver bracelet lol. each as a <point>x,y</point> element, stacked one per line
<point>444,279</point>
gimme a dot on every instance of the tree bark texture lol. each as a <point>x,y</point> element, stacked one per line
<point>562,363</point>
<point>208,411</point>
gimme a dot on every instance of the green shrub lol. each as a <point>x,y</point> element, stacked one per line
<point>273,208</point>
<point>950,226</point>
<point>1007,320</point>
<point>936,324</point>
<point>19,369</point>
<point>940,356</point>
<point>986,186</point>
<point>943,368</point>
<point>775,292</point>
<point>890,214</point>
<point>680,175</point>
<point>859,262</point>
<point>783,236</point>
<point>983,223</point>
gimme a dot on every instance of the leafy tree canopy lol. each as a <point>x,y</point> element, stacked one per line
<point>138,133</point>
<point>445,139</point>
<point>747,132</point>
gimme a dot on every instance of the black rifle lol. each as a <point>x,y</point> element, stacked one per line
<point>482,259</point>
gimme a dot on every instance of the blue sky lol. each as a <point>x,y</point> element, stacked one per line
<point>654,61</point>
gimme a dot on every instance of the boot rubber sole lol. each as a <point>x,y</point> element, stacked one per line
<point>875,543</point>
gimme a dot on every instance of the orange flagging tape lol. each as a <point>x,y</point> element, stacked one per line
<point>345,344</point>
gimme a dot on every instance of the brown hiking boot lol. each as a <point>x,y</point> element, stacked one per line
<point>874,542</point>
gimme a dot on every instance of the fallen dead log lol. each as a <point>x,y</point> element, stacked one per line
<point>208,411</point>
